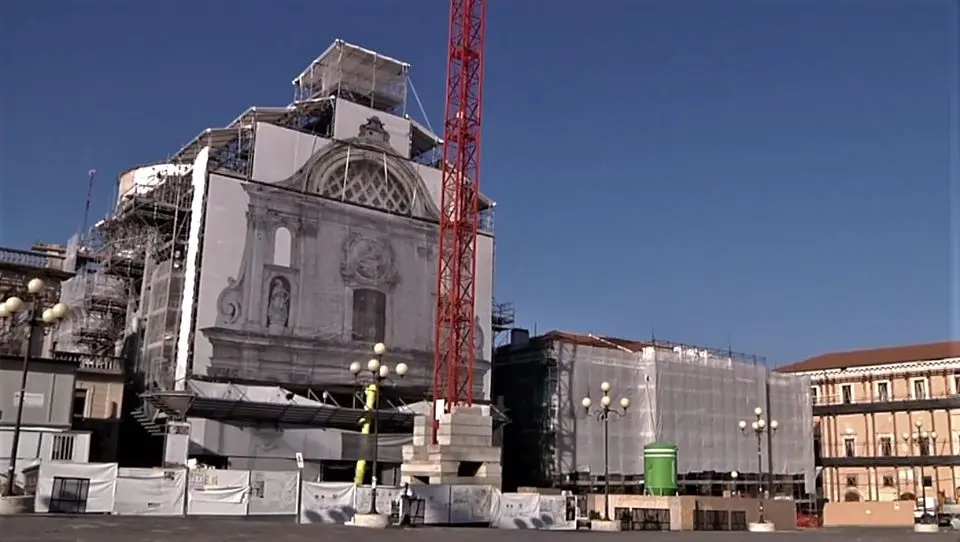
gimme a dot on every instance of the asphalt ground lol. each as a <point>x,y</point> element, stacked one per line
<point>148,529</point>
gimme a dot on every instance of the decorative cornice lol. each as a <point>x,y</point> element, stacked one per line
<point>898,369</point>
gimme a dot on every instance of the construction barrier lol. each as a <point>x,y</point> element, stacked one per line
<point>104,488</point>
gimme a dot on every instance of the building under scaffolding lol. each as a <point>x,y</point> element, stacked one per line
<point>279,248</point>
<point>690,396</point>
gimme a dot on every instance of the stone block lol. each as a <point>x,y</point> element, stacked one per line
<point>460,440</point>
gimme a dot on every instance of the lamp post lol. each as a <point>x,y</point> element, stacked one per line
<point>733,482</point>
<point>603,416</point>
<point>920,438</point>
<point>36,318</point>
<point>374,374</point>
<point>758,428</point>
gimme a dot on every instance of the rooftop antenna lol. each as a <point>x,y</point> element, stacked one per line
<point>86,208</point>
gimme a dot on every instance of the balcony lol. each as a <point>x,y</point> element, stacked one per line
<point>91,363</point>
<point>891,453</point>
<point>833,405</point>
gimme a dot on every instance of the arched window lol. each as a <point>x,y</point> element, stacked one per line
<point>282,246</point>
<point>367,182</point>
<point>369,315</point>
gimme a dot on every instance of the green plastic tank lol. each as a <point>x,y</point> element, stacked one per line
<point>660,468</point>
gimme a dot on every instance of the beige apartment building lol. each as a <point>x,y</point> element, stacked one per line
<point>887,421</point>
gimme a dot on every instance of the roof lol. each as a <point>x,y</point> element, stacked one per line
<point>876,356</point>
<point>256,405</point>
<point>596,340</point>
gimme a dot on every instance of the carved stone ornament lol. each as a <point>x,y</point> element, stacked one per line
<point>368,261</point>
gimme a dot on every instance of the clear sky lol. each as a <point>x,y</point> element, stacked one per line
<point>778,175</point>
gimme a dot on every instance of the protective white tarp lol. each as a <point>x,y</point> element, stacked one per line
<point>64,482</point>
<point>324,502</point>
<point>273,493</point>
<point>436,503</point>
<point>471,504</point>
<point>386,496</point>
<point>531,511</point>
<point>692,398</point>
<point>218,492</point>
<point>150,492</point>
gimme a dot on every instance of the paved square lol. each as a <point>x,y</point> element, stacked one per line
<point>146,529</point>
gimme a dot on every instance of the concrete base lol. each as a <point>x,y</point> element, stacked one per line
<point>370,521</point>
<point>604,526</point>
<point>926,528</point>
<point>765,527</point>
<point>17,504</point>
<point>463,454</point>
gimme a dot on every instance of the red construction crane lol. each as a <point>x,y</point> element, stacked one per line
<point>455,335</point>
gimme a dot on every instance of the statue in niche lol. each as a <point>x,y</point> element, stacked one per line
<point>278,304</point>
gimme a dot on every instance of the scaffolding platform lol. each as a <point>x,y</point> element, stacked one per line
<point>355,73</point>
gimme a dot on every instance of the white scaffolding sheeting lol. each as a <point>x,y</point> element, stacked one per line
<point>688,397</point>
<point>347,68</point>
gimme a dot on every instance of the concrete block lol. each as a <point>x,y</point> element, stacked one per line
<point>473,441</point>
<point>464,431</point>
<point>483,454</point>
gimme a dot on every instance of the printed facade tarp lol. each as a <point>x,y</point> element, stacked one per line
<point>150,492</point>
<point>62,484</point>
<point>273,493</point>
<point>218,492</point>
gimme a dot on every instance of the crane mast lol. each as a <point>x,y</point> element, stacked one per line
<point>455,334</point>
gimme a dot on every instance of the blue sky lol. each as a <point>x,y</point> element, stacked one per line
<point>777,175</point>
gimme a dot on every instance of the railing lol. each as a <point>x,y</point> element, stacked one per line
<point>886,446</point>
<point>27,258</point>
<point>839,399</point>
<point>92,363</point>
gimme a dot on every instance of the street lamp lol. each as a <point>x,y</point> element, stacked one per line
<point>758,428</point>
<point>374,374</point>
<point>603,416</point>
<point>36,318</point>
<point>921,438</point>
<point>733,482</point>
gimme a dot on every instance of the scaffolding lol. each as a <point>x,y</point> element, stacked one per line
<point>357,75</point>
<point>148,224</point>
<point>504,318</point>
<point>688,395</point>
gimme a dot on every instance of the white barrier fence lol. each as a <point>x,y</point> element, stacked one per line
<point>105,488</point>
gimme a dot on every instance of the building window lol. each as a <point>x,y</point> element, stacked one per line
<point>846,393</point>
<point>851,480</point>
<point>886,446</point>
<point>79,403</point>
<point>927,481</point>
<point>888,481</point>
<point>814,395</point>
<point>883,391</point>
<point>850,446</point>
<point>282,247</point>
<point>924,444</point>
<point>956,384</point>
<point>918,388</point>
<point>369,315</point>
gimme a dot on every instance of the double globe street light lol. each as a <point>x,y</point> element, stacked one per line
<point>926,445</point>
<point>759,427</point>
<point>372,377</point>
<point>603,415</point>
<point>37,318</point>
